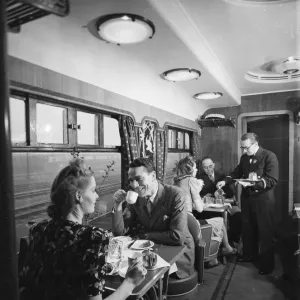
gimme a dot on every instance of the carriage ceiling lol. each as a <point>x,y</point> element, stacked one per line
<point>221,38</point>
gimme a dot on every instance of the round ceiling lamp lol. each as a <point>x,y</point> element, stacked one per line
<point>208,95</point>
<point>181,74</point>
<point>124,28</point>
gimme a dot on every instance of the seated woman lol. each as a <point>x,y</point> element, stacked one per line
<point>66,260</point>
<point>186,172</point>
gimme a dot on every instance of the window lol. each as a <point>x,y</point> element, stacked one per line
<point>17,121</point>
<point>178,140</point>
<point>86,125</point>
<point>42,122</point>
<point>50,121</point>
<point>111,132</point>
<point>56,130</point>
<point>172,138</point>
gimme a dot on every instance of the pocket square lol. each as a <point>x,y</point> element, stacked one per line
<point>165,217</point>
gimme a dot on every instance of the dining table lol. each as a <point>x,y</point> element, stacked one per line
<point>158,277</point>
<point>221,209</point>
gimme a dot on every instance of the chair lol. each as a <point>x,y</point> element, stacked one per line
<point>212,246</point>
<point>179,288</point>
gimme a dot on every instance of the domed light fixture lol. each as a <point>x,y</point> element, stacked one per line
<point>208,95</point>
<point>181,74</point>
<point>124,28</point>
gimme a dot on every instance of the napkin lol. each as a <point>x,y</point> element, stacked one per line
<point>160,263</point>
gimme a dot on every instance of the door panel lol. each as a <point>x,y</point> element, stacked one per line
<point>273,133</point>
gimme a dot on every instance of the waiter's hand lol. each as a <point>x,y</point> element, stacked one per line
<point>220,184</point>
<point>245,184</point>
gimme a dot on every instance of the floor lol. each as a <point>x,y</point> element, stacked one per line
<point>241,281</point>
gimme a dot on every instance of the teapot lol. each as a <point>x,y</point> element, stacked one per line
<point>149,259</point>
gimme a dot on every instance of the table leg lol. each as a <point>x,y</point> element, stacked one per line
<point>165,285</point>
<point>160,289</point>
<point>225,218</point>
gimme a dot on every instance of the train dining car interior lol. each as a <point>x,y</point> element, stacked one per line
<point>206,91</point>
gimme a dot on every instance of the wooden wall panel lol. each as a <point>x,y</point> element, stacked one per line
<point>35,76</point>
<point>221,143</point>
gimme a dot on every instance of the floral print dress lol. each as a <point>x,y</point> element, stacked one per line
<point>65,261</point>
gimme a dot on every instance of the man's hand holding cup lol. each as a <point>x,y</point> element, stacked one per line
<point>120,196</point>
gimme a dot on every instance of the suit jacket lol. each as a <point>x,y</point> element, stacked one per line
<point>210,186</point>
<point>265,164</point>
<point>167,224</point>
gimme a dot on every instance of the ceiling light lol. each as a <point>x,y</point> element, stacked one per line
<point>208,95</point>
<point>182,74</point>
<point>276,71</point>
<point>124,28</point>
<point>291,71</point>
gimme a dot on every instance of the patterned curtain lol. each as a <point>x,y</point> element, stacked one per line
<point>196,151</point>
<point>129,142</point>
<point>161,153</point>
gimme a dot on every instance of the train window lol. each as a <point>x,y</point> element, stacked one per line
<point>180,139</point>
<point>87,132</point>
<point>17,121</point>
<point>172,138</point>
<point>111,132</point>
<point>50,122</point>
<point>33,174</point>
<point>186,141</point>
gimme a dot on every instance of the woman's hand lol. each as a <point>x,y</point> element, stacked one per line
<point>136,273</point>
<point>118,198</point>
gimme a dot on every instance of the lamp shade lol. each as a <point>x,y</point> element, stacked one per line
<point>181,74</point>
<point>124,28</point>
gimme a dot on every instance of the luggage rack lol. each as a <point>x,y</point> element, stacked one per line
<point>216,122</point>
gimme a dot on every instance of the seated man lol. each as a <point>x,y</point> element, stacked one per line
<point>160,209</point>
<point>210,178</point>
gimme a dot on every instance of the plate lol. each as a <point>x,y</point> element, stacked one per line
<point>142,244</point>
<point>218,205</point>
<point>248,180</point>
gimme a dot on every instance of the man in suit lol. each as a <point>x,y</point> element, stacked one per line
<point>210,178</point>
<point>160,209</point>
<point>257,201</point>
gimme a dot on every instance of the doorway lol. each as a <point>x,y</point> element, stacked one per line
<point>275,130</point>
<point>273,133</point>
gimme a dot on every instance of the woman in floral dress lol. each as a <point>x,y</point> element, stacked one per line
<point>65,259</point>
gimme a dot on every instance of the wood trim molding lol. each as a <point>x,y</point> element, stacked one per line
<point>240,120</point>
<point>22,87</point>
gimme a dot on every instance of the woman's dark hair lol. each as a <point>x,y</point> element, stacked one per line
<point>64,187</point>
<point>185,166</point>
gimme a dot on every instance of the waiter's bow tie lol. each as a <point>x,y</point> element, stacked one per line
<point>251,156</point>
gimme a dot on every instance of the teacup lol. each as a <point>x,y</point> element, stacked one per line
<point>131,197</point>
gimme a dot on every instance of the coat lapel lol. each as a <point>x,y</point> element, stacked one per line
<point>159,203</point>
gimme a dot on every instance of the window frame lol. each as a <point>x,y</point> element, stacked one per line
<point>183,131</point>
<point>22,97</point>
<point>70,135</point>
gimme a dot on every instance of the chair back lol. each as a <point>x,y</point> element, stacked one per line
<point>195,230</point>
<point>194,227</point>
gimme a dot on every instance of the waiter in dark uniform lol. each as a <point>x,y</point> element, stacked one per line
<point>257,201</point>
